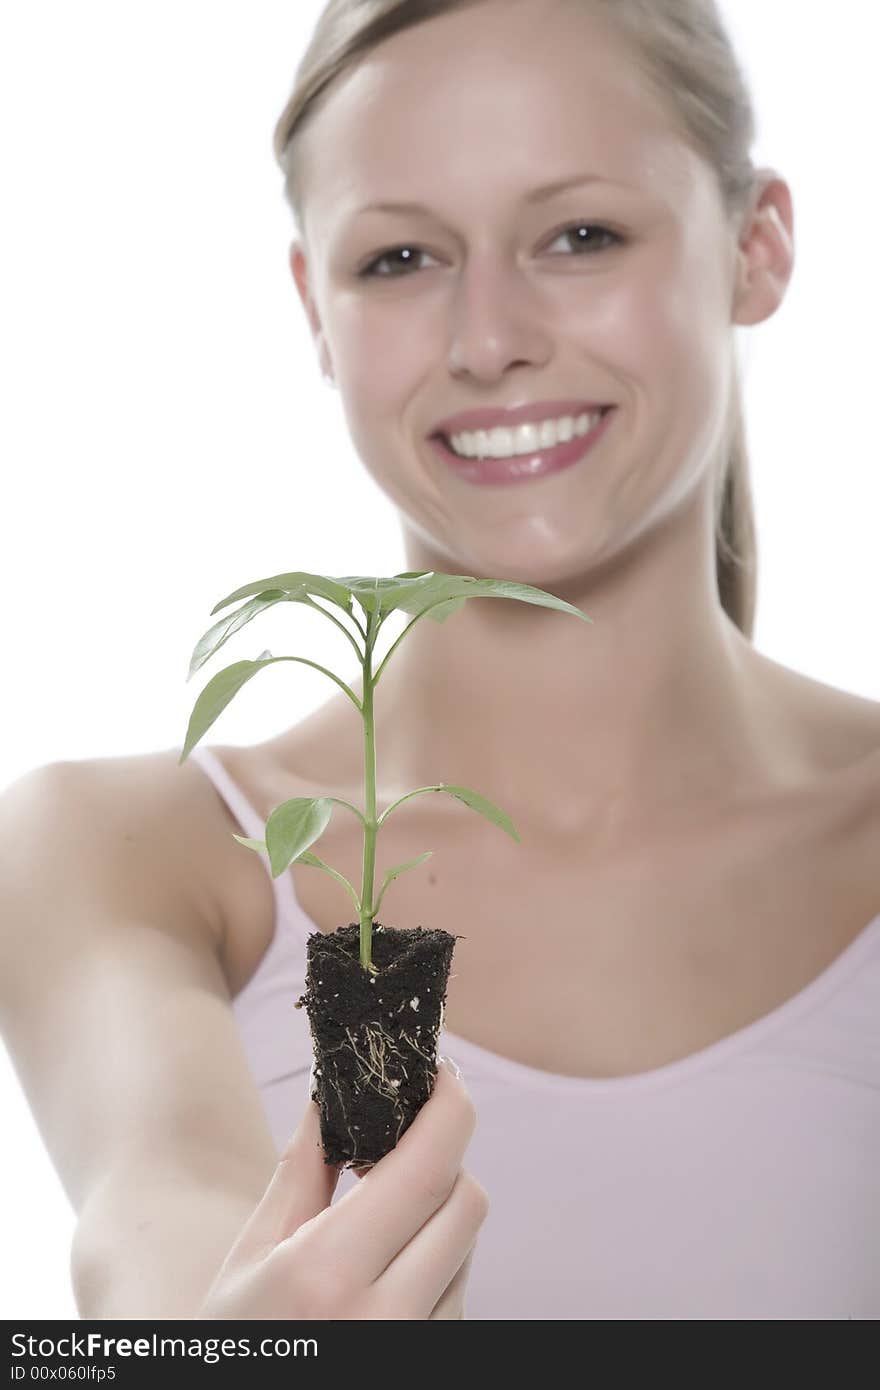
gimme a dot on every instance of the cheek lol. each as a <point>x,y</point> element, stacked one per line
<point>662,329</point>
<point>381,345</point>
<point>377,379</point>
<point>696,307</point>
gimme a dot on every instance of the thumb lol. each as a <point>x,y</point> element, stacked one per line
<point>301,1187</point>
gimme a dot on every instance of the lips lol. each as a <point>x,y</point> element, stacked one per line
<point>522,468</point>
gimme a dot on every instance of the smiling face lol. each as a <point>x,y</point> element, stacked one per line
<point>615,290</point>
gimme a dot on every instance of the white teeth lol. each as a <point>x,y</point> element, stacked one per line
<point>524,439</point>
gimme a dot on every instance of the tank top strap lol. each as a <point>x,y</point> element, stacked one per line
<point>247,817</point>
<point>292,925</point>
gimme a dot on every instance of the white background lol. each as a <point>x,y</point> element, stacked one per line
<point>166,435</point>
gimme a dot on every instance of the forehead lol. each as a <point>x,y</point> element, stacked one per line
<point>492,97</point>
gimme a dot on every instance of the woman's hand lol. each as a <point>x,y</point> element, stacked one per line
<point>397,1246</point>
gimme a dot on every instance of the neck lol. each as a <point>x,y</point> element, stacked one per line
<point>575,728</point>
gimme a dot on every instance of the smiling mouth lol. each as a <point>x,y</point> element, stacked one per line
<point>533,461</point>
<point>520,441</point>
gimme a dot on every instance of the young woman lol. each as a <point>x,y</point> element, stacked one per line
<point>526,232</point>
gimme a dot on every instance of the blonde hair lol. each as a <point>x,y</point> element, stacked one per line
<point>685,55</point>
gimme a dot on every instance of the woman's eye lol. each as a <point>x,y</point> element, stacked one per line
<point>584,243</point>
<point>370,270</point>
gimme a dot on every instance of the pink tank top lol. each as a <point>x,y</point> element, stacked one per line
<point>741,1182</point>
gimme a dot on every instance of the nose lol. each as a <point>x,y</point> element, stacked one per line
<point>495,321</point>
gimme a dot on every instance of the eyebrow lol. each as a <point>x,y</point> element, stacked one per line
<point>537,195</point>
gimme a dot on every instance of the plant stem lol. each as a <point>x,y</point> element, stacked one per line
<point>370,822</point>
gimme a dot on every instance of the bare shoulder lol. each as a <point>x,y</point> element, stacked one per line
<point>865,779</point>
<point>848,742</point>
<point>113,1001</point>
<point>837,729</point>
<point>139,819</point>
<point>840,736</point>
<point>858,807</point>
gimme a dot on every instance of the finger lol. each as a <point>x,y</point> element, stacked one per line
<point>417,1278</point>
<point>451,1305</point>
<point>301,1186</point>
<point>394,1199</point>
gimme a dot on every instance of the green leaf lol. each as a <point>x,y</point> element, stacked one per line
<point>367,588</point>
<point>415,595</point>
<point>293,826</point>
<point>394,873</point>
<point>444,610</point>
<point>215,637</point>
<point>415,591</point>
<point>309,858</point>
<point>259,845</point>
<point>411,591</point>
<point>485,808</point>
<point>296,584</point>
<point>216,696</point>
<point>305,858</point>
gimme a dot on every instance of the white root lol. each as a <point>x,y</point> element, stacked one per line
<point>377,1056</point>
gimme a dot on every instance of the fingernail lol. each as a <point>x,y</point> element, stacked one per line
<point>450,1064</point>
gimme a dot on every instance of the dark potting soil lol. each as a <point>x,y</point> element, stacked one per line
<point>374,1036</point>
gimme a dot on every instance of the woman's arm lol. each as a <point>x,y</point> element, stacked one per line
<point>152,1243</point>
<point>116,1014</point>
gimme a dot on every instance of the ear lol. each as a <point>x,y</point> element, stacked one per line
<point>300,271</point>
<point>765,253</point>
